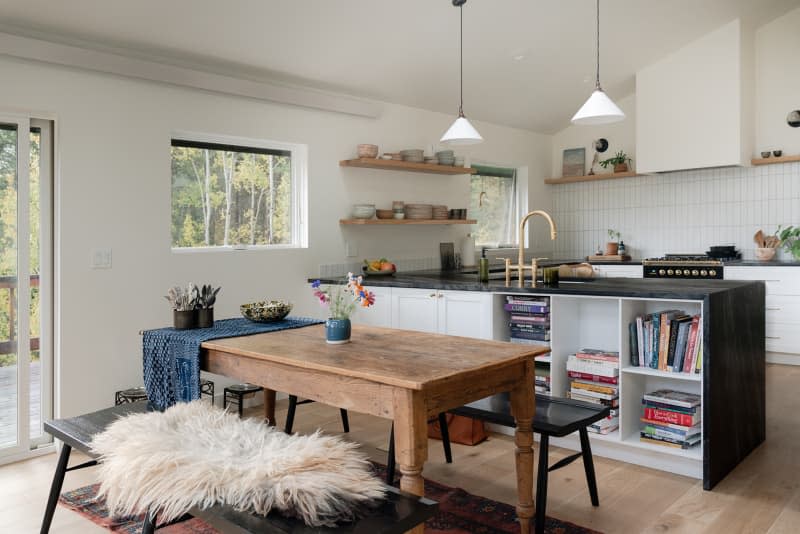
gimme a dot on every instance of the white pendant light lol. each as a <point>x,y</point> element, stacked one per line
<point>599,109</point>
<point>461,132</point>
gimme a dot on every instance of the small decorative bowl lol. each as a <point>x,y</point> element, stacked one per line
<point>777,153</point>
<point>363,211</point>
<point>765,254</point>
<point>384,214</point>
<point>266,311</point>
<point>765,154</point>
<point>367,151</point>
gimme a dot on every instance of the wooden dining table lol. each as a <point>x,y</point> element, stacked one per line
<point>401,375</point>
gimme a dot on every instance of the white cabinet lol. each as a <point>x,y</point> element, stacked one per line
<point>782,309</point>
<point>456,313</point>
<point>617,271</point>
<point>380,313</point>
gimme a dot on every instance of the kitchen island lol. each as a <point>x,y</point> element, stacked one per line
<point>595,314</point>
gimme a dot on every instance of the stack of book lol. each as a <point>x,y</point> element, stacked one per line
<point>542,384</point>
<point>530,319</point>
<point>668,341</point>
<point>594,377</point>
<point>671,419</point>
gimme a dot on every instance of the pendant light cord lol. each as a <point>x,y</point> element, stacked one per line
<point>461,60</point>
<point>597,79</point>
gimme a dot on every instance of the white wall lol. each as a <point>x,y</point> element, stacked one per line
<point>778,83</point>
<point>114,191</point>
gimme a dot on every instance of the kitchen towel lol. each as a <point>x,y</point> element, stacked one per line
<point>172,357</point>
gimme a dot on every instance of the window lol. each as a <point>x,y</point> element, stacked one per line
<point>493,202</point>
<point>237,194</point>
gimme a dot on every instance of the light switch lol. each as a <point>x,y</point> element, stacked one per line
<point>100,258</point>
<point>350,249</point>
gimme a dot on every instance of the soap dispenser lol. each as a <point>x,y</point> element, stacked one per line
<point>483,266</point>
<point>621,248</point>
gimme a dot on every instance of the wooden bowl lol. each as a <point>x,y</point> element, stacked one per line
<point>384,214</point>
<point>765,254</point>
<point>367,151</point>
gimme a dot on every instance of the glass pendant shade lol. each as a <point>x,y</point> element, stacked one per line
<point>461,133</point>
<point>599,109</point>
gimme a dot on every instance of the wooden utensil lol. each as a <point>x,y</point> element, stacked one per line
<point>759,239</point>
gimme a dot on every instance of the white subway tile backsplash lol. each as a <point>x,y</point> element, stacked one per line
<point>685,211</point>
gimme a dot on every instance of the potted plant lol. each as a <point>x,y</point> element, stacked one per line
<point>612,247</point>
<point>205,297</point>
<point>790,240</point>
<point>620,162</point>
<point>341,301</point>
<point>182,300</point>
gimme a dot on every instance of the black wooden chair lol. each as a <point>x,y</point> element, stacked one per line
<point>397,513</point>
<point>556,417</point>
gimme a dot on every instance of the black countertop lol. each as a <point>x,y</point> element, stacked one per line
<point>609,287</point>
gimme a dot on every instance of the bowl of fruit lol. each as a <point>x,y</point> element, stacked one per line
<point>381,267</point>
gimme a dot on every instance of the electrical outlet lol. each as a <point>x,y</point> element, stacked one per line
<point>100,258</point>
<point>350,249</point>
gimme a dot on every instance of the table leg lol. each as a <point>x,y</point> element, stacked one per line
<point>269,406</point>
<point>411,441</point>
<point>523,409</point>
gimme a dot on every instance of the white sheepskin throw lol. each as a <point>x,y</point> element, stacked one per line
<point>193,454</point>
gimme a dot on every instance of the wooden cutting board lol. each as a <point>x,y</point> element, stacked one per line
<point>616,257</point>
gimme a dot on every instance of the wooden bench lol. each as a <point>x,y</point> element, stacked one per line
<point>555,417</point>
<point>398,513</point>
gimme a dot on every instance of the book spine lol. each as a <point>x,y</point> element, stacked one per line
<point>592,367</point>
<point>593,377</point>
<point>673,418</point>
<point>680,346</point>
<point>608,390</point>
<point>663,342</point>
<point>669,407</point>
<point>666,433</point>
<point>633,344</point>
<point>699,358</point>
<point>656,324</point>
<point>537,336</point>
<point>526,308</point>
<point>589,393</point>
<point>691,349</point>
<point>640,340</point>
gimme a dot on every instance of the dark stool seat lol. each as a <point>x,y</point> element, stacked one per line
<point>236,394</point>
<point>398,513</point>
<point>130,395</point>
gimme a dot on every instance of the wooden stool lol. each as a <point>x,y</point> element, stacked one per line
<point>130,395</point>
<point>397,513</point>
<point>293,402</point>
<point>236,393</point>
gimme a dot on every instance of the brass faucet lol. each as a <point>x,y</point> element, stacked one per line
<point>520,266</point>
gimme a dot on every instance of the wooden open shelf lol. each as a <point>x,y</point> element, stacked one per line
<point>389,222</point>
<point>772,161</point>
<point>397,165</point>
<point>589,178</point>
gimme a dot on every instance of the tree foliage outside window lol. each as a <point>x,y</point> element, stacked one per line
<point>493,202</point>
<point>224,195</point>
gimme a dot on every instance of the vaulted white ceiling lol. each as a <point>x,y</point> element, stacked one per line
<point>528,63</point>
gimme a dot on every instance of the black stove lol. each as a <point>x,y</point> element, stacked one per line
<point>686,266</point>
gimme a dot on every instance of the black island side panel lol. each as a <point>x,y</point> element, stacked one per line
<point>734,375</point>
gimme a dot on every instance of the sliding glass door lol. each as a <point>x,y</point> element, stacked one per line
<point>26,363</point>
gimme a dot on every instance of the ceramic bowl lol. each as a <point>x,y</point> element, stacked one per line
<point>266,311</point>
<point>363,211</point>
<point>765,254</point>
<point>384,214</point>
<point>765,154</point>
<point>367,151</point>
<point>777,153</point>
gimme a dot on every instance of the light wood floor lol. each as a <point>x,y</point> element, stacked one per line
<point>761,495</point>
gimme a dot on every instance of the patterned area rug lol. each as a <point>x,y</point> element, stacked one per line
<point>459,513</point>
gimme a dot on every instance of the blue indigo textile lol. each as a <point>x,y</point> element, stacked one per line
<point>172,357</point>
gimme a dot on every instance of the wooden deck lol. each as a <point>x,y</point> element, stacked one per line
<point>8,403</point>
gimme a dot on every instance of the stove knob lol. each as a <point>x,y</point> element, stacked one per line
<point>662,272</point>
<point>695,272</point>
<point>703,272</point>
<point>686,272</point>
<point>712,272</point>
<point>670,272</point>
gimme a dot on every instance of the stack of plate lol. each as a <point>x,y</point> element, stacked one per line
<point>440,212</point>
<point>394,155</point>
<point>413,155</point>
<point>419,211</point>
<point>432,160</point>
<point>445,157</point>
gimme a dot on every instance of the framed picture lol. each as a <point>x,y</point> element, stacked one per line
<point>574,163</point>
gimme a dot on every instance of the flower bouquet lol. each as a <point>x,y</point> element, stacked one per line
<point>342,301</point>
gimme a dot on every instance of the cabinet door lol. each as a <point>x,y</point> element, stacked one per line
<point>414,309</point>
<point>380,313</point>
<point>617,271</point>
<point>465,313</point>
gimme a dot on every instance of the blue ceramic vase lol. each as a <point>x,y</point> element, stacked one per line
<point>337,331</point>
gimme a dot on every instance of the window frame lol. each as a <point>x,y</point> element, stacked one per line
<point>298,154</point>
<point>520,200</point>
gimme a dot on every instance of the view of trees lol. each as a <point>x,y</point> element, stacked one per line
<point>492,203</point>
<point>223,197</point>
<point>8,237</point>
